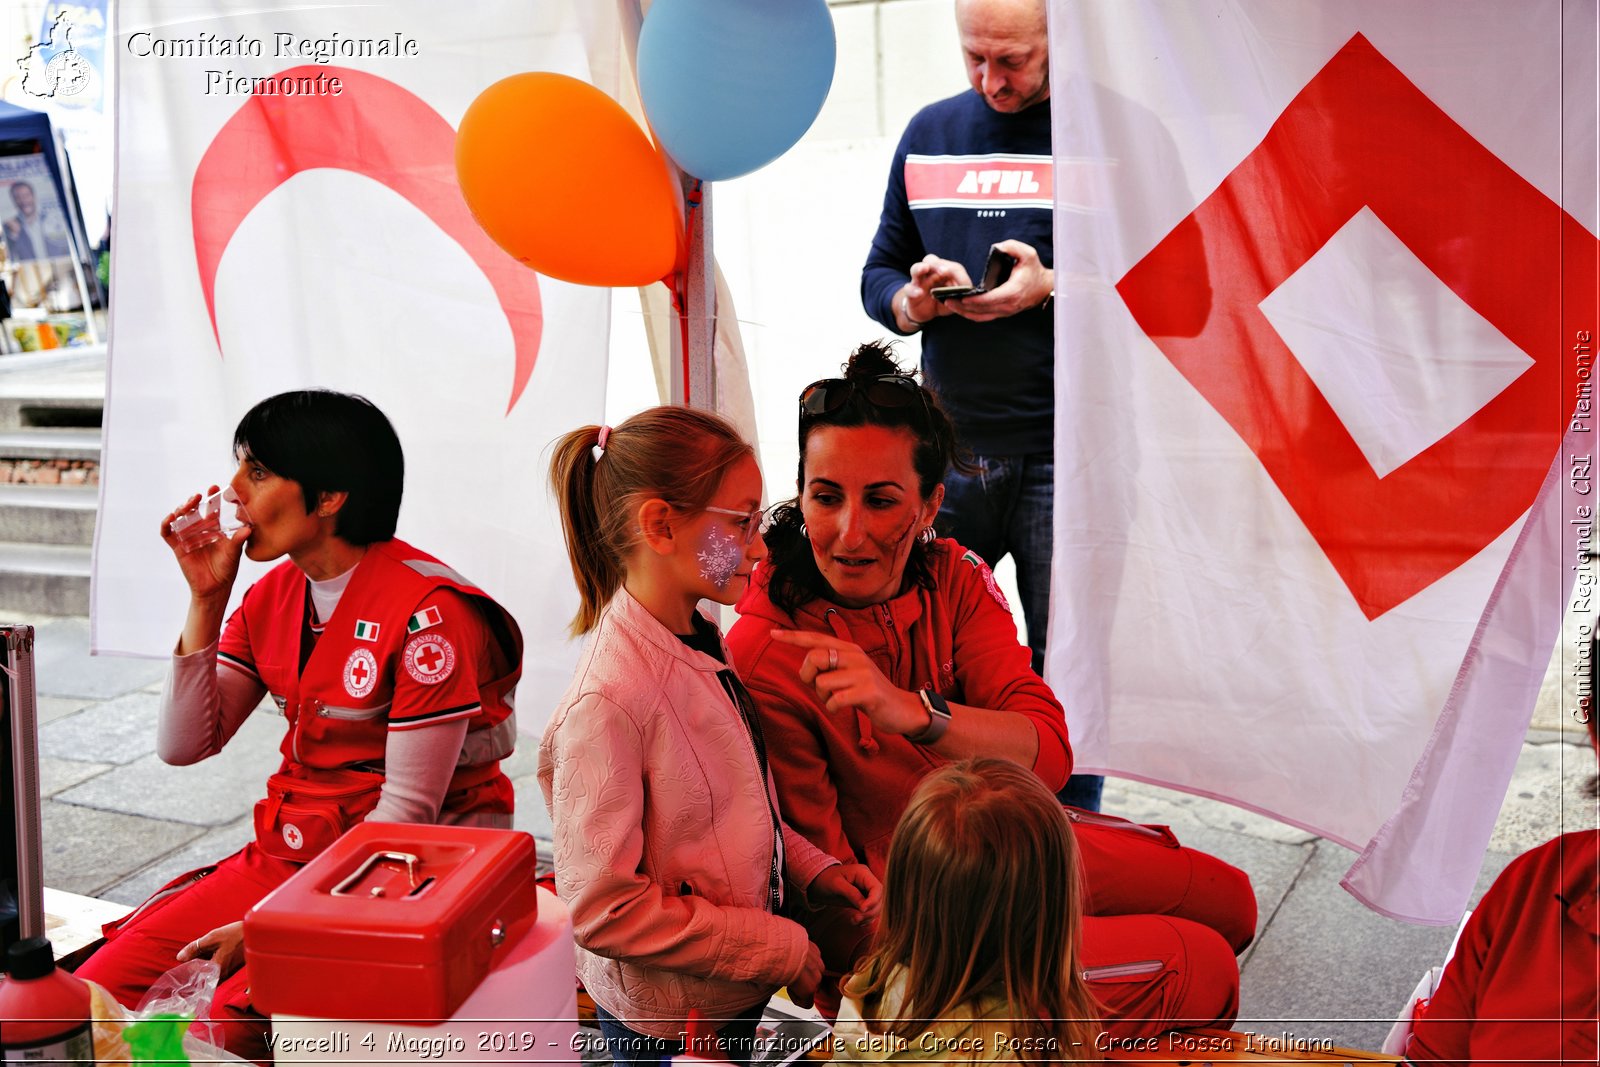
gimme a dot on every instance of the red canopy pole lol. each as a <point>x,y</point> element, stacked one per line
<point>694,297</point>
<point>695,365</point>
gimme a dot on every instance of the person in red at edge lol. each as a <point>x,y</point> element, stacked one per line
<point>395,675</point>
<point>1524,984</point>
<point>877,653</point>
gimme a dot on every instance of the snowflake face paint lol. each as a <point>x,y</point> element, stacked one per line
<point>723,542</point>
<point>719,554</point>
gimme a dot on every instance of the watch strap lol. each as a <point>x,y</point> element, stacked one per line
<point>938,718</point>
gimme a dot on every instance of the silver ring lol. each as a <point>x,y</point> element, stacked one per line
<point>833,659</point>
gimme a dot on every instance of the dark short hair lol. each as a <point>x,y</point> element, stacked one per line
<point>331,442</point>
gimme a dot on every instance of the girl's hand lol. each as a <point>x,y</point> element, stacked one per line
<point>224,946</point>
<point>803,989</point>
<point>211,568</point>
<point>848,885</point>
<point>845,677</point>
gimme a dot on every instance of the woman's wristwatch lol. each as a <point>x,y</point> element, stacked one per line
<point>938,718</point>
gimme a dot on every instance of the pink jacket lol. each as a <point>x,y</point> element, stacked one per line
<point>663,832</point>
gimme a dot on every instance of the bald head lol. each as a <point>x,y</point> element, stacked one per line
<point>1006,49</point>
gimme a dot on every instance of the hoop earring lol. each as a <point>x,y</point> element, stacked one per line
<point>927,536</point>
<point>804,533</point>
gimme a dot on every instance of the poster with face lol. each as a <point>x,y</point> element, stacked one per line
<point>31,219</point>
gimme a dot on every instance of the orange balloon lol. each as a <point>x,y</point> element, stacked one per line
<point>560,176</point>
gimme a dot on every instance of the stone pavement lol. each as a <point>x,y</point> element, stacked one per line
<point>118,824</point>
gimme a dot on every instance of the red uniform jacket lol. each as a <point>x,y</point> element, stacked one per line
<point>1524,984</point>
<point>384,661</point>
<point>839,782</point>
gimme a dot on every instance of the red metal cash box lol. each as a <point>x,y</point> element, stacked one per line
<point>392,921</point>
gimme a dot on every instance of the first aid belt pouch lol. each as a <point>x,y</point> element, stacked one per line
<point>394,921</point>
<point>300,816</point>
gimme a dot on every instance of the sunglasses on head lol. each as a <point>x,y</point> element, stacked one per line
<point>886,391</point>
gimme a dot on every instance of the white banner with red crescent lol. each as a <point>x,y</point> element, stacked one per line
<point>287,216</point>
<point>1326,278</point>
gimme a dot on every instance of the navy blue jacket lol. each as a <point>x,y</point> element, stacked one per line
<point>964,177</point>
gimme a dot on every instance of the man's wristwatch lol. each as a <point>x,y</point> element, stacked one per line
<point>938,718</point>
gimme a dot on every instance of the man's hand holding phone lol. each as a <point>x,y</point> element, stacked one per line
<point>1029,285</point>
<point>996,269</point>
<point>914,305</point>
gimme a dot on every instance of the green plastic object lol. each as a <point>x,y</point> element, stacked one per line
<point>158,1039</point>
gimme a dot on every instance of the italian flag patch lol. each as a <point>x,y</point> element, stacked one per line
<point>972,558</point>
<point>366,631</point>
<point>423,619</point>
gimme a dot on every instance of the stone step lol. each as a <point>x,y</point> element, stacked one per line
<point>48,514</point>
<point>52,443</point>
<point>63,388</point>
<point>47,579</point>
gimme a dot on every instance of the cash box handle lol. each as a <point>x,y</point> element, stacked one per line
<point>411,862</point>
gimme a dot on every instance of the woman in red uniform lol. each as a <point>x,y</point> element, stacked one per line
<point>393,672</point>
<point>877,652</point>
<point>1524,983</point>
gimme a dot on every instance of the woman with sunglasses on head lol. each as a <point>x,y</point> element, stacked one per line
<point>877,652</point>
<point>668,844</point>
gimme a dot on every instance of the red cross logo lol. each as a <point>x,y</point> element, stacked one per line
<point>360,673</point>
<point>429,658</point>
<point>1360,134</point>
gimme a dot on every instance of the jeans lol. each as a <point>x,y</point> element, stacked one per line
<point>629,1048</point>
<point>1006,506</point>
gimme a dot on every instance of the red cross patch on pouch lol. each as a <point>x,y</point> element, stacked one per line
<point>360,672</point>
<point>429,658</point>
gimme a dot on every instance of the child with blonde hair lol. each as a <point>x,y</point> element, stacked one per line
<point>669,848</point>
<point>977,956</point>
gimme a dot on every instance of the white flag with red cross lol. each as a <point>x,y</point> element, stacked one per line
<point>1327,318</point>
<point>288,216</point>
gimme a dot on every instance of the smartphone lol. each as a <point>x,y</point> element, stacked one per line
<point>995,272</point>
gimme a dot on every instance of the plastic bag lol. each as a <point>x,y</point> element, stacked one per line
<point>185,990</point>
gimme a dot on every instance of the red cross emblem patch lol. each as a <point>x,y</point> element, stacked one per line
<point>360,673</point>
<point>429,658</point>
<point>1360,135</point>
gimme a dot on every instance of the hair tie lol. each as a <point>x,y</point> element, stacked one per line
<point>600,443</point>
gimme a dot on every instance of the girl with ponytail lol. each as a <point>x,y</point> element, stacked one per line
<point>670,850</point>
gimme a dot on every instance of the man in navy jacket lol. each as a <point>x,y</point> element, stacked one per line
<point>971,172</point>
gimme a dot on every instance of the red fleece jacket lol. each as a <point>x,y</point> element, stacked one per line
<point>844,786</point>
<point>1521,987</point>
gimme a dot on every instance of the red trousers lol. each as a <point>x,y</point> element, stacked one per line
<point>144,946</point>
<point>1162,926</point>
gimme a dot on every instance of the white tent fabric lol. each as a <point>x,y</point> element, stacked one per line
<point>337,279</point>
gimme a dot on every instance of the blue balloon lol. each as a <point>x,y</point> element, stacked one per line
<point>731,85</point>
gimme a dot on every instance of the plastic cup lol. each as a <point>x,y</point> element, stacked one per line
<point>219,514</point>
